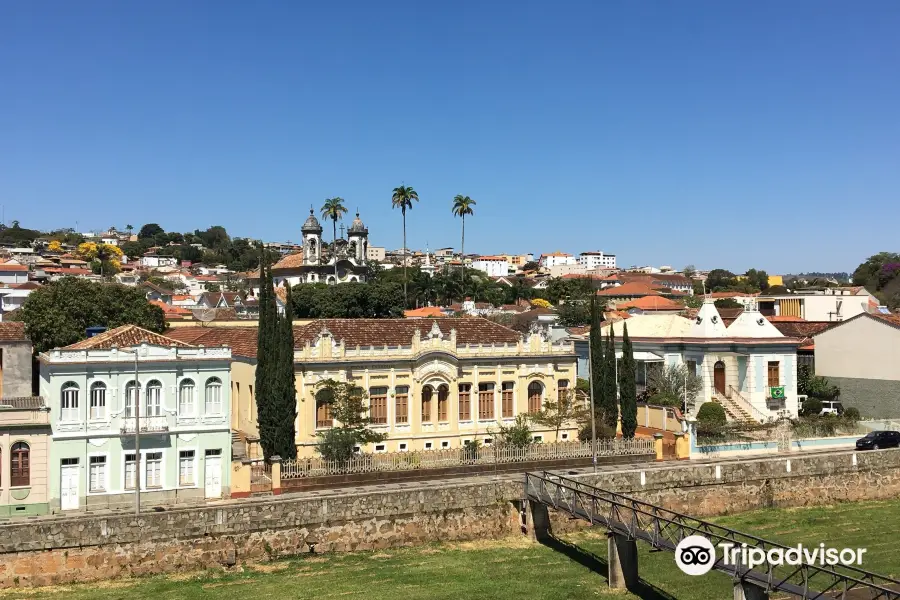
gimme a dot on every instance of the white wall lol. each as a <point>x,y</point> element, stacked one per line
<point>494,268</point>
<point>865,348</point>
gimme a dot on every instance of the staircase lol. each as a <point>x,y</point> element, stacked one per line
<point>238,446</point>
<point>733,410</point>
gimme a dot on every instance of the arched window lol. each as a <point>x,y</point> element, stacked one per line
<point>132,389</point>
<point>562,391</point>
<point>213,396</point>
<point>186,406</point>
<point>153,402</point>
<point>324,398</point>
<point>535,391</point>
<point>98,400</point>
<point>69,402</point>
<point>427,394</point>
<point>443,401</point>
<point>20,464</point>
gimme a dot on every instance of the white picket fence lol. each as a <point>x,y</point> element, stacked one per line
<point>458,457</point>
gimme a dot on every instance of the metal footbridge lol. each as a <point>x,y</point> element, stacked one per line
<point>663,529</point>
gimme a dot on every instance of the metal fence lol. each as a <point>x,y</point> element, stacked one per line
<point>460,457</point>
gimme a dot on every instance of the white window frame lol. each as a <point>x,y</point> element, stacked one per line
<point>104,486</point>
<point>97,406</point>
<point>130,398</point>
<point>153,398</point>
<point>68,402</point>
<point>212,405</point>
<point>187,409</point>
<point>193,463</point>
<point>146,460</point>
<point>125,463</point>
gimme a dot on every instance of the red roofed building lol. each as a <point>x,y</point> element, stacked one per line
<point>651,305</point>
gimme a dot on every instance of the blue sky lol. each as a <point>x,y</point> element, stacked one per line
<point>724,134</point>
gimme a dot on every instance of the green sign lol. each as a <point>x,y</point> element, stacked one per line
<point>777,393</point>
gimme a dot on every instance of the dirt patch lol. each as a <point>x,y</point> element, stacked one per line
<point>207,586</point>
<point>269,567</point>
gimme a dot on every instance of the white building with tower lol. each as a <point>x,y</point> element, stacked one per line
<point>344,261</point>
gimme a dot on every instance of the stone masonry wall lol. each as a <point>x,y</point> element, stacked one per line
<point>91,547</point>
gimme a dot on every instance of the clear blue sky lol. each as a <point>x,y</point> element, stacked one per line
<point>735,134</point>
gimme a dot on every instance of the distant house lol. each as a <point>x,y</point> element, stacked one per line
<point>597,260</point>
<point>154,292</point>
<point>556,258</point>
<point>154,261</point>
<point>862,357</point>
<point>13,297</point>
<point>656,305</point>
<point>632,290</point>
<point>494,266</point>
<point>11,273</point>
<point>233,300</point>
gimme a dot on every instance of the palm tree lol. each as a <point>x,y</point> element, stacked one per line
<point>334,209</point>
<point>402,199</point>
<point>462,206</point>
<point>129,229</point>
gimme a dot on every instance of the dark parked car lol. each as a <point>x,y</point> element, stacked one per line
<point>879,439</point>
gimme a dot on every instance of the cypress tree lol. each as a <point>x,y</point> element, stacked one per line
<point>267,416</point>
<point>610,402</point>
<point>627,386</point>
<point>285,385</point>
<point>598,359</point>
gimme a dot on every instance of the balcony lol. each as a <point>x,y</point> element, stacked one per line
<point>148,425</point>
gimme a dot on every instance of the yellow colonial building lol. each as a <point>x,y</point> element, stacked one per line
<point>431,383</point>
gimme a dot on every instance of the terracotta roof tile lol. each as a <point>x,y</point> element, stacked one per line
<point>425,311</point>
<point>28,285</point>
<point>632,288</point>
<point>170,310</point>
<point>7,267</point>
<point>12,331</point>
<point>650,303</point>
<point>123,337</point>
<point>892,318</point>
<point>23,402</point>
<point>291,261</point>
<point>241,340</point>
<point>397,332</point>
<point>802,329</point>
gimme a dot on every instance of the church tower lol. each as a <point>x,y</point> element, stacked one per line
<point>312,240</point>
<point>358,237</point>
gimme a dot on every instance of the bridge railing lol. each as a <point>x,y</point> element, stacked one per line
<point>664,529</point>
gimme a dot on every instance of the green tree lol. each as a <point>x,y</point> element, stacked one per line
<point>574,313</point>
<point>758,279</point>
<point>334,209</point>
<point>133,250</point>
<point>693,301</point>
<point>711,418</point>
<point>720,280</point>
<point>610,401</point>
<point>516,435</point>
<point>462,206</point>
<point>531,266</point>
<point>727,303</point>
<point>689,271</point>
<point>59,313</point>
<point>150,230</point>
<point>674,385</point>
<point>266,361</point>
<point>348,408</point>
<point>285,393</point>
<point>557,412</point>
<point>628,386</point>
<point>598,361</point>
<point>402,198</point>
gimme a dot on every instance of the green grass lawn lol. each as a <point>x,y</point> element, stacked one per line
<point>513,569</point>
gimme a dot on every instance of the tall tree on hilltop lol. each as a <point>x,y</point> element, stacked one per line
<point>628,386</point>
<point>610,401</point>
<point>334,209</point>
<point>598,360</point>
<point>402,198</point>
<point>462,206</point>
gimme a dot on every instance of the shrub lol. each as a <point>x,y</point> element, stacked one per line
<point>710,418</point>
<point>852,414</point>
<point>811,407</point>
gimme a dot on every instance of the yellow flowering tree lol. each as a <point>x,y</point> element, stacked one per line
<point>109,256</point>
<point>540,303</point>
<point>54,246</point>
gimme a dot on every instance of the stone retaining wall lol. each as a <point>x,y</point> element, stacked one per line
<point>52,550</point>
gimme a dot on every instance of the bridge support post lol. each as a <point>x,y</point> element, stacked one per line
<point>744,590</point>
<point>537,520</point>
<point>623,561</point>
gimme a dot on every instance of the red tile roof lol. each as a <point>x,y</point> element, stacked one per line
<point>784,319</point>
<point>62,271</point>
<point>291,261</point>
<point>425,311</point>
<point>632,288</point>
<point>28,285</point>
<point>241,340</point>
<point>892,318</point>
<point>8,267</point>
<point>123,337</point>
<point>650,303</point>
<point>12,331</point>
<point>171,311</point>
<point>802,329</point>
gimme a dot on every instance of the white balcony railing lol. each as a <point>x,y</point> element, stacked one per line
<point>148,425</point>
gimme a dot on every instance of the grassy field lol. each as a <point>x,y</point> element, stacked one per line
<point>513,569</point>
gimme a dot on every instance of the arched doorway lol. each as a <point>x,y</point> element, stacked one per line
<point>719,377</point>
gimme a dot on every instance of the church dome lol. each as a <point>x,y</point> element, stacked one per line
<point>358,226</point>
<point>312,224</point>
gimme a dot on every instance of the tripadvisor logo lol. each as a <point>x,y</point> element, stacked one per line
<point>695,555</point>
